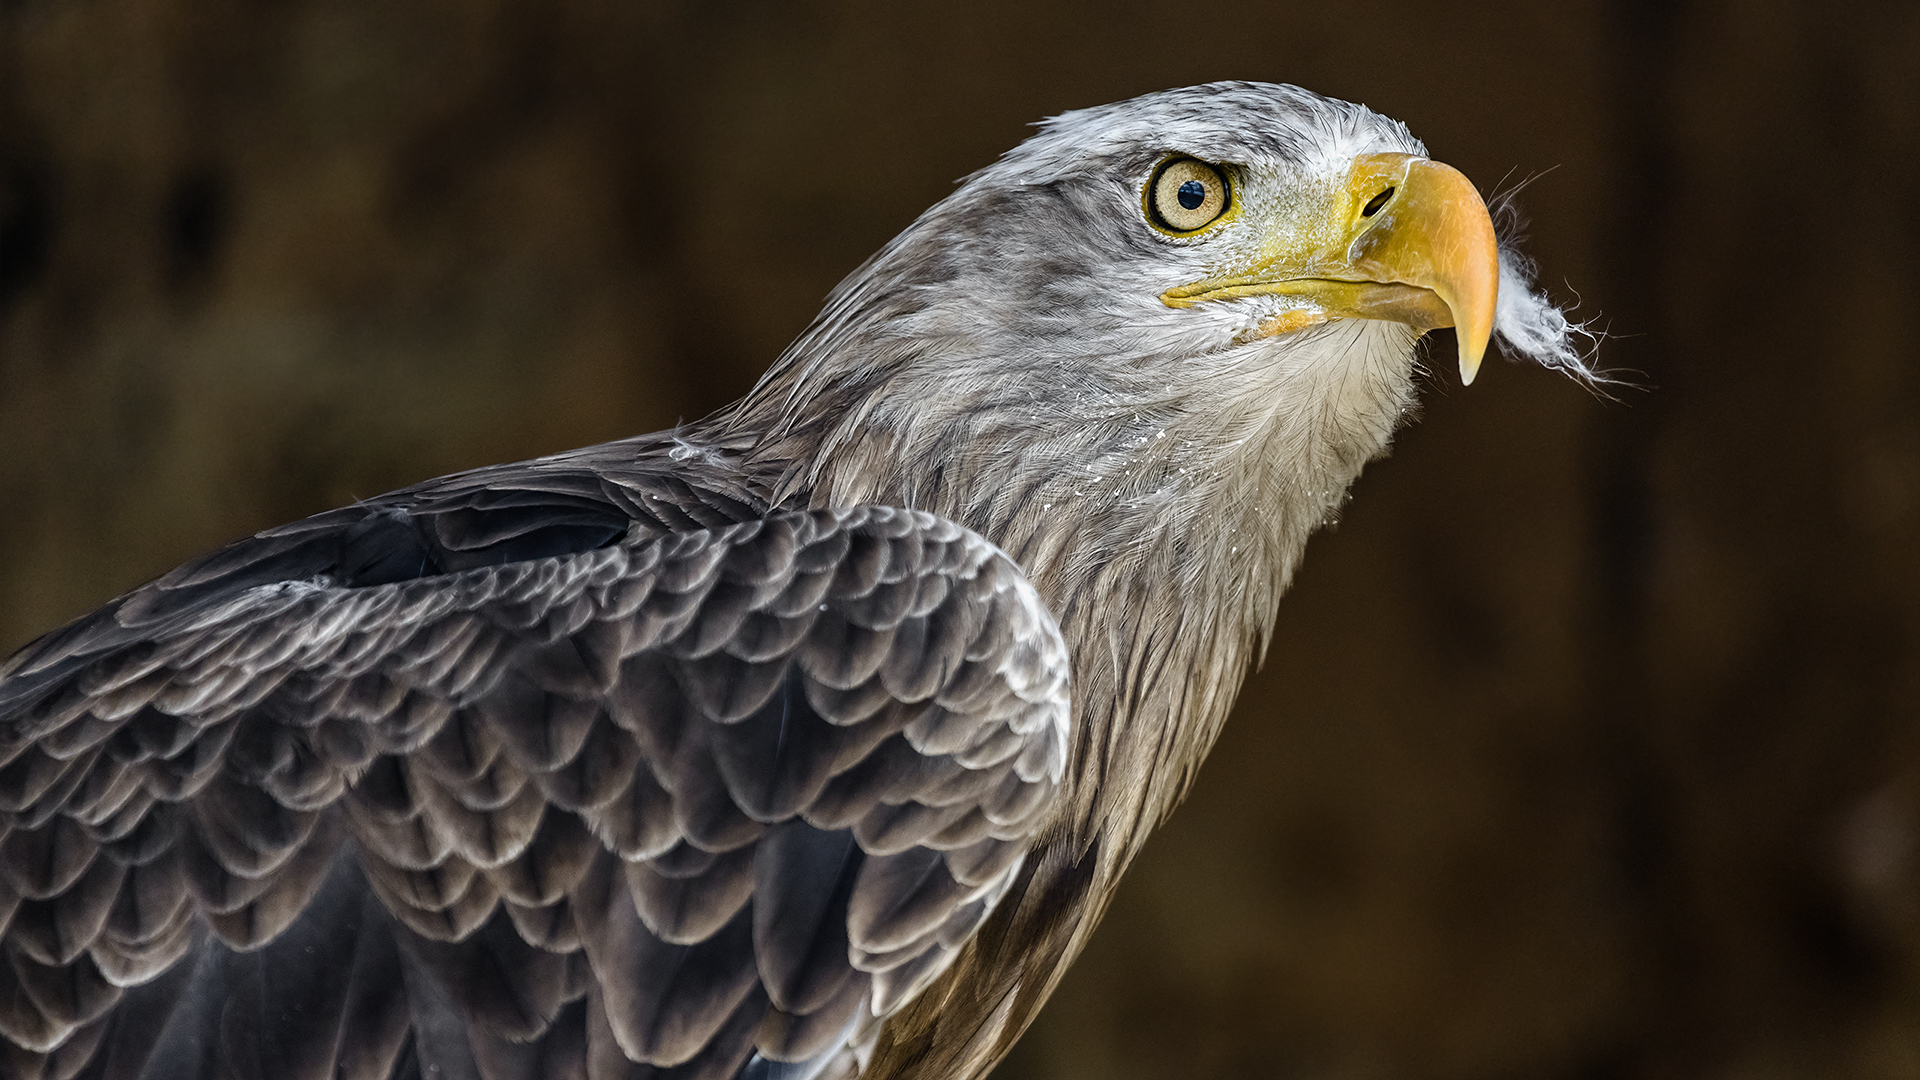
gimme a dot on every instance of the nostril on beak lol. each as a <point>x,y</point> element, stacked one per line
<point>1374,204</point>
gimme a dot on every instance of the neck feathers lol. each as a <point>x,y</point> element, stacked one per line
<point>1159,509</point>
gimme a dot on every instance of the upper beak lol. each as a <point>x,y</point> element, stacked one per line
<point>1403,239</point>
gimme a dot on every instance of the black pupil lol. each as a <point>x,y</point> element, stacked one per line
<point>1191,194</point>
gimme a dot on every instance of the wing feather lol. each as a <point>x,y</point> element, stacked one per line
<point>651,804</point>
<point>804,877</point>
<point>688,908</point>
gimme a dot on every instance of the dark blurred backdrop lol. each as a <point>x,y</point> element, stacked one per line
<point>1588,744</point>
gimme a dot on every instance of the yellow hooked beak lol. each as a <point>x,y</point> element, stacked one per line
<point>1403,239</point>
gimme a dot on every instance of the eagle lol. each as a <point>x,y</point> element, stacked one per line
<point>808,741</point>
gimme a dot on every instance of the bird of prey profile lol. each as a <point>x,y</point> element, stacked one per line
<point>806,741</point>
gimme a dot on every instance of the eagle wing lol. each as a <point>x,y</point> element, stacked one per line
<point>709,799</point>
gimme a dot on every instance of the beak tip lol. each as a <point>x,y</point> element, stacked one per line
<point>1469,365</point>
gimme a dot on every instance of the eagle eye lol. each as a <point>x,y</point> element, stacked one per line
<point>1186,195</point>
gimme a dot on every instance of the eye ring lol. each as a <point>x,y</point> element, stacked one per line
<point>1185,195</point>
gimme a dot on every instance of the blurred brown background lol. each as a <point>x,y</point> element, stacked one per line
<point>1588,745</point>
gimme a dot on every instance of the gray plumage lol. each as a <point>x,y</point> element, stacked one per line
<point>742,750</point>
